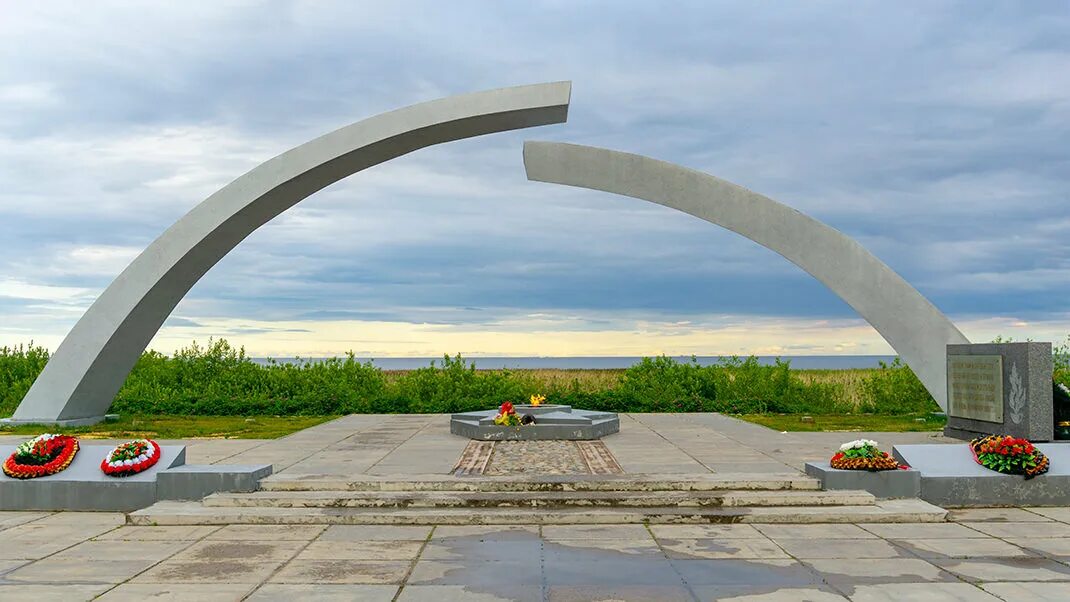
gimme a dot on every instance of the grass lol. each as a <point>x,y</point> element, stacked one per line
<point>548,379</point>
<point>600,379</point>
<point>183,427</point>
<point>849,380</point>
<point>849,422</point>
<point>273,427</point>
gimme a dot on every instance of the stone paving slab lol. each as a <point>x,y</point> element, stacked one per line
<point>178,592</point>
<point>1001,515</point>
<point>789,594</point>
<point>868,571</point>
<point>923,531</point>
<point>1034,592</point>
<point>361,550</point>
<point>584,593</point>
<point>722,548</point>
<point>361,572</point>
<point>962,548</point>
<point>276,592</point>
<point>462,593</point>
<point>1006,569</point>
<point>50,592</point>
<point>564,549</point>
<point>1058,548</point>
<point>921,592</point>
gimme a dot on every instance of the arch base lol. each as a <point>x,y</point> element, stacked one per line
<point>59,423</point>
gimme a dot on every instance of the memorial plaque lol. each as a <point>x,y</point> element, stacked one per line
<point>975,387</point>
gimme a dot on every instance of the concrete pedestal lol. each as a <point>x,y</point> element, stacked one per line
<point>552,422</point>
<point>884,484</point>
<point>83,486</point>
<point>951,477</point>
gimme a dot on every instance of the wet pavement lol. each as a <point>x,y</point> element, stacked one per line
<point>1007,554</point>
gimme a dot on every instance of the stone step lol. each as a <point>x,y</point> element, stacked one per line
<point>635,482</point>
<point>195,513</point>
<point>536,499</point>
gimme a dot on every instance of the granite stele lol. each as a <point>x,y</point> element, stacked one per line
<point>1000,389</point>
<point>81,379</point>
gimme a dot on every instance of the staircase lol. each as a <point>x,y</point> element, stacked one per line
<point>449,500</point>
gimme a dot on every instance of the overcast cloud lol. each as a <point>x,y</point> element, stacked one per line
<point>936,133</point>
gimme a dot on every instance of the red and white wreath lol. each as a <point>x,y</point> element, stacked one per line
<point>41,456</point>
<point>131,458</point>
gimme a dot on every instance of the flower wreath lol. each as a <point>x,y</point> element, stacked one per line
<point>41,456</point>
<point>1003,453</point>
<point>862,454</point>
<point>131,458</point>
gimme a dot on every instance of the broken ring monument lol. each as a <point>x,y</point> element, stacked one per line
<point>984,388</point>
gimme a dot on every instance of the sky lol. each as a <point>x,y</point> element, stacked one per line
<point>937,134</point>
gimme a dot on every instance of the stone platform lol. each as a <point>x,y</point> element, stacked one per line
<point>83,486</point>
<point>552,422</point>
<point>951,478</point>
<point>883,484</point>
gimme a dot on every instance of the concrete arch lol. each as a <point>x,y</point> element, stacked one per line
<point>80,381</point>
<point>913,326</point>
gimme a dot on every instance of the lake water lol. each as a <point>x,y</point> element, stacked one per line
<point>808,362</point>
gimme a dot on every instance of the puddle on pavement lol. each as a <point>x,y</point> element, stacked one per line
<point>501,565</point>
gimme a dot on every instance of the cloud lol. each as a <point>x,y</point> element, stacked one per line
<point>938,136</point>
<point>14,289</point>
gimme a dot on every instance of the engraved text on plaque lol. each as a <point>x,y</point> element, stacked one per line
<point>975,387</point>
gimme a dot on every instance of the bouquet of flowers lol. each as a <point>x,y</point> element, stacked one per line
<point>1009,455</point>
<point>862,454</point>
<point>507,415</point>
<point>41,456</point>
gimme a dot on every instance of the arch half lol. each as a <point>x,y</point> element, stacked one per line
<point>913,326</point>
<point>82,378</point>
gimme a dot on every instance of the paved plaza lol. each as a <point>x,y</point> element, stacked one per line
<point>983,555</point>
<point>385,445</point>
<point>1005,554</point>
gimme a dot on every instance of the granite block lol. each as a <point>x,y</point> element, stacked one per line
<point>1031,364</point>
<point>951,477</point>
<point>194,482</point>
<point>884,484</point>
<point>83,486</point>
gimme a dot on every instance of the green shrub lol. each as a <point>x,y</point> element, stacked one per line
<point>1060,356</point>
<point>456,386</point>
<point>895,389</point>
<point>220,380</point>
<point>662,384</point>
<point>19,366</point>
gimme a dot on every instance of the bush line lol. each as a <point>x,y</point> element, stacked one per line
<point>220,380</point>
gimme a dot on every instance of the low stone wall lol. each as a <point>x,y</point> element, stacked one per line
<point>883,484</point>
<point>83,486</point>
<point>951,478</point>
